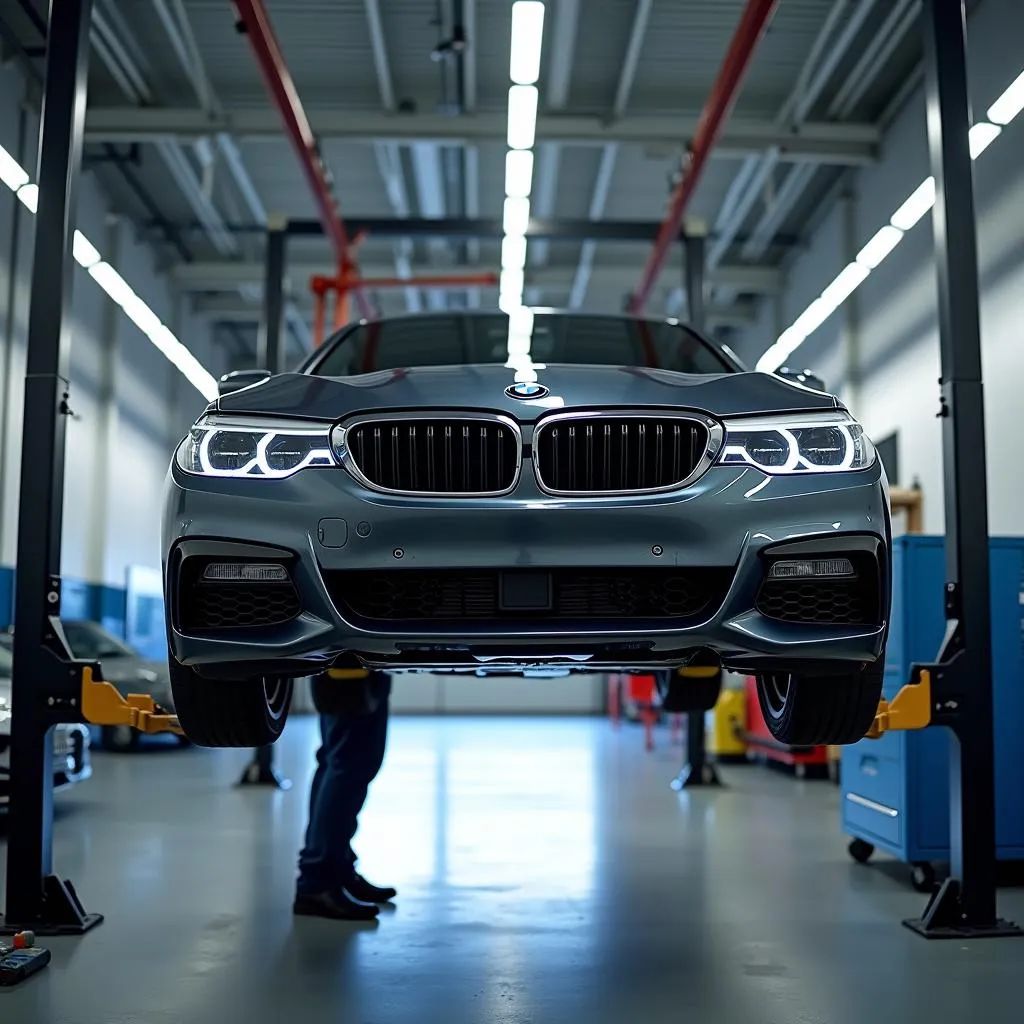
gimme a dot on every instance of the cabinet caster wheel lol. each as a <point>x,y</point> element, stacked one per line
<point>922,877</point>
<point>860,850</point>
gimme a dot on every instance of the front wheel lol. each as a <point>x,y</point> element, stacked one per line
<point>229,712</point>
<point>808,710</point>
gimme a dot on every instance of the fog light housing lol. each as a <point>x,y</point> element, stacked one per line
<point>803,568</point>
<point>245,572</point>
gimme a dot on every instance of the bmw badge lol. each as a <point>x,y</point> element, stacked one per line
<point>525,390</point>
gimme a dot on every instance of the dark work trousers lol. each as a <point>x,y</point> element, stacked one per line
<point>350,755</point>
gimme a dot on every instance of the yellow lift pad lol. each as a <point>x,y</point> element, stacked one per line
<point>103,704</point>
<point>911,708</point>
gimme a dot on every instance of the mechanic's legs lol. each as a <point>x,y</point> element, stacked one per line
<point>349,758</point>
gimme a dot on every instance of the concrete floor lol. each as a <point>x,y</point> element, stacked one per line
<point>547,874</point>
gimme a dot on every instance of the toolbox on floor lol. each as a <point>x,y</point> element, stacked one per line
<point>895,790</point>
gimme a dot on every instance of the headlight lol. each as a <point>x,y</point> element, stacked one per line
<point>815,443</point>
<point>218,446</point>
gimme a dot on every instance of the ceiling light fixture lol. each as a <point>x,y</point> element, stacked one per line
<point>527,36</point>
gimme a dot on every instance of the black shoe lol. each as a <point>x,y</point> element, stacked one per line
<point>363,890</point>
<point>338,905</point>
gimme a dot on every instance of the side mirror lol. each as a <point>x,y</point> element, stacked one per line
<point>804,377</point>
<point>238,379</point>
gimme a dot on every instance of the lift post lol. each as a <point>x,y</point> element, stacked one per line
<point>698,770</point>
<point>960,680</point>
<point>270,355</point>
<point>46,685</point>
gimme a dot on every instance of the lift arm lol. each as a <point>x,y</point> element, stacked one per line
<point>911,708</point>
<point>102,704</point>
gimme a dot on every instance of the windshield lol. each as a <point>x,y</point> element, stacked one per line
<point>460,340</point>
<point>87,640</point>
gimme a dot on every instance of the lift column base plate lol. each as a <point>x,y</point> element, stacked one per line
<point>944,919</point>
<point>62,912</point>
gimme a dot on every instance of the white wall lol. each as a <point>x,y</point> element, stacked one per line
<point>130,404</point>
<point>896,307</point>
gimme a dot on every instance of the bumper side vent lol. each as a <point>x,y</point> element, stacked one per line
<point>204,605</point>
<point>836,602</point>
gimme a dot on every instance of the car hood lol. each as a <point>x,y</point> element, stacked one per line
<point>483,387</point>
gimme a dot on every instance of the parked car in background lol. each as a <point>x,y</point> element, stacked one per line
<point>71,761</point>
<point>123,666</point>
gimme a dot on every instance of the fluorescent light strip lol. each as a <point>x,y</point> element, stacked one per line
<point>518,173</point>
<point>516,216</point>
<point>1010,104</point>
<point>524,71</point>
<point>522,116</point>
<point>86,255</point>
<point>527,36</point>
<point>917,204</point>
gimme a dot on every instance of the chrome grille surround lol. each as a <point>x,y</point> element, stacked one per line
<point>345,443</point>
<point>648,418</point>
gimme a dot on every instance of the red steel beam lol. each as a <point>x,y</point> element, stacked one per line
<point>752,26</point>
<point>278,79</point>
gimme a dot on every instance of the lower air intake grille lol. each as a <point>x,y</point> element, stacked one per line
<point>837,602</point>
<point>464,456</point>
<point>619,454</point>
<point>555,596</point>
<point>205,605</point>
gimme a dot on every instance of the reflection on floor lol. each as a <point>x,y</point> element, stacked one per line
<point>547,874</point>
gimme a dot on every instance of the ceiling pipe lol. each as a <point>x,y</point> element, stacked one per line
<point>748,34</point>
<point>278,79</point>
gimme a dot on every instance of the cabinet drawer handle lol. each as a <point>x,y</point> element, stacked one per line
<point>889,812</point>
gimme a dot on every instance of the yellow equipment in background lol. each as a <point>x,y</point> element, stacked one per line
<point>725,723</point>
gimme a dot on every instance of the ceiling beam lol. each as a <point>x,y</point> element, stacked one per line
<point>219,275</point>
<point>226,308</point>
<point>815,142</point>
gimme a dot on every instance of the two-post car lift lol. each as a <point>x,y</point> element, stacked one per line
<point>50,686</point>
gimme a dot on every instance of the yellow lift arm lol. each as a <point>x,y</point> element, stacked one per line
<point>911,708</point>
<point>102,704</point>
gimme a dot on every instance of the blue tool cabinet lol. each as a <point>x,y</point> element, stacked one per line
<point>895,790</point>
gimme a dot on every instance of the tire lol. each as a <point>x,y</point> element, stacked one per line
<point>806,711</point>
<point>683,695</point>
<point>229,712</point>
<point>119,738</point>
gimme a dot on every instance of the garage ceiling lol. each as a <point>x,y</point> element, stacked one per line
<point>408,129</point>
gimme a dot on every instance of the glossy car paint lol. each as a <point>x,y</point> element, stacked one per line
<point>724,518</point>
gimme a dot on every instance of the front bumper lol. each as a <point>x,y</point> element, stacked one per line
<point>326,522</point>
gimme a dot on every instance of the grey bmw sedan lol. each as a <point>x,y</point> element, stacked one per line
<point>464,491</point>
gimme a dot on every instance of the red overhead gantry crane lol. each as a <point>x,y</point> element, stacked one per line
<point>752,26</point>
<point>348,280</point>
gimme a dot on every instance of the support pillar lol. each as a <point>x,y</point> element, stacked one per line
<point>272,338</point>
<point>698,770</point>
<point>44,685</point>
<point>965,906</point>
<point>270,355</point>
